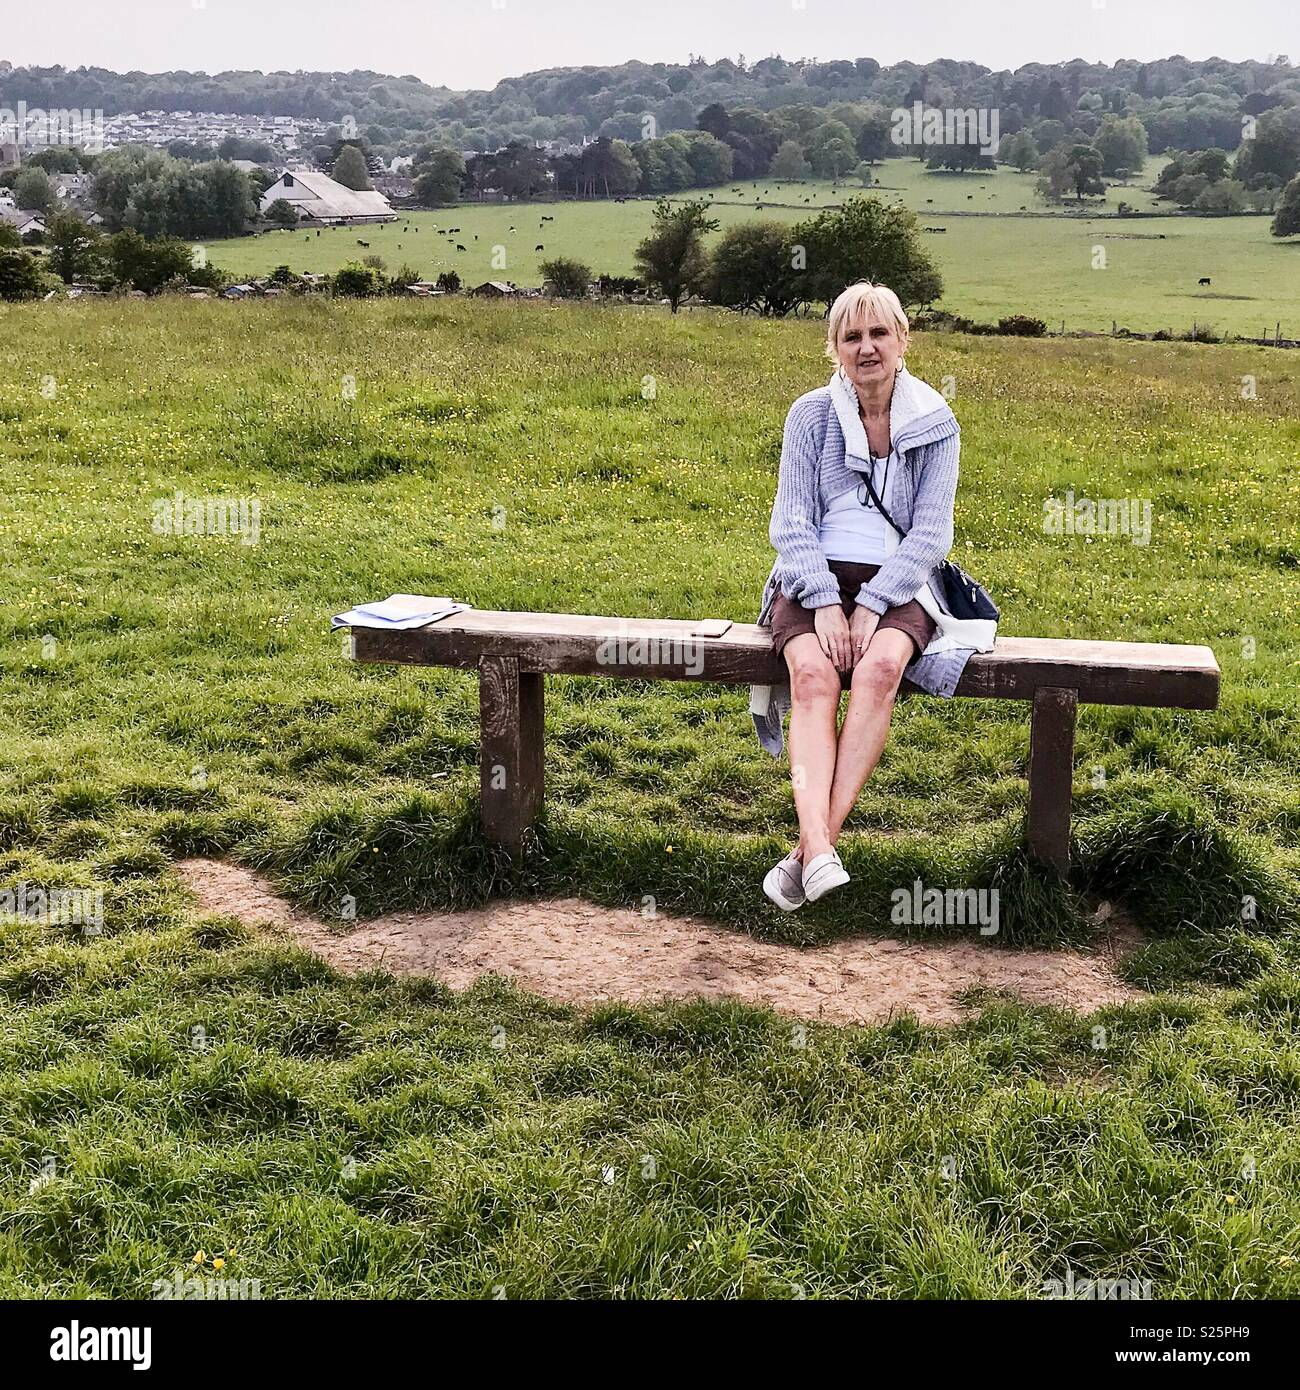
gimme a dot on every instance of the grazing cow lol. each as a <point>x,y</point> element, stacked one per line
<point>459,247</point>
<point>366,244</point>
<point>1204,280</point>
<point>929,200</point>
<point>539,247</point>
<point>547,218</point>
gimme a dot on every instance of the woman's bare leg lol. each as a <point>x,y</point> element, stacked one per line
<point>876,679</point>
<point>815,701</point>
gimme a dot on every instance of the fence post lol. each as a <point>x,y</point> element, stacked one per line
<point>1051,772</point>
<point>511,740</point>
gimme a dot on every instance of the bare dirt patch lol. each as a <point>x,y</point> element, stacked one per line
<point>578,952</point>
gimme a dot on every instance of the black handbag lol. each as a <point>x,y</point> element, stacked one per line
<point>963,596</point>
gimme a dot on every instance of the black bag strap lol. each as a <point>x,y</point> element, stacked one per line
<point>880,506</point>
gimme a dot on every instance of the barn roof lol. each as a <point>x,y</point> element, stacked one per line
<point>326,197</point>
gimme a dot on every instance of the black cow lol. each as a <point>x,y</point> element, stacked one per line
<point>1204,280</point>
<point>366,244</point>
<point>539,247</point>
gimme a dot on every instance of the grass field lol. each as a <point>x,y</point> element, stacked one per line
<point>992,265</point>
<point>365,1137</point>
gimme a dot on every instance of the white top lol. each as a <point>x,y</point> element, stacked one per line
<point>850,531</point>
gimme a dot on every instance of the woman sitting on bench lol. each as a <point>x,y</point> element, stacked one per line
<point>846,594</point>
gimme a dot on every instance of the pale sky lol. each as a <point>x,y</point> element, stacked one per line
<point>473,43</point>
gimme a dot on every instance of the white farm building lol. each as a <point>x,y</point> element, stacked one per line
<point>319,198</point>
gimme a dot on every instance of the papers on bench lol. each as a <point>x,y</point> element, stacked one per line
<point>398,612</point>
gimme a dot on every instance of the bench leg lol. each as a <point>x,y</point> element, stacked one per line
<point>1051,772</point>
<point>511,757</point>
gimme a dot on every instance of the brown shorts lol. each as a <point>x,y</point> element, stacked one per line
<point>790,618</point>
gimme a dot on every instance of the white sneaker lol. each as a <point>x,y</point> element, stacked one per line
<point>784,884</point>
<point>822,874</point>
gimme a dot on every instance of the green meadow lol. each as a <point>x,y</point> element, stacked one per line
<point>1146,275</point>
<point>169,695</point>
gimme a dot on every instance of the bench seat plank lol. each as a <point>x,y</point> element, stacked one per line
<point>1109,673</point>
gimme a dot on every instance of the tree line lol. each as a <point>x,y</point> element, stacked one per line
<point>767,267</point>
<point>1183,104</point>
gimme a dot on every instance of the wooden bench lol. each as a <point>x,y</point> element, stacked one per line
<point>514,652</point>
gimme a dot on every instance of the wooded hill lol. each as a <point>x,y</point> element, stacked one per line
<point>1185,104</point>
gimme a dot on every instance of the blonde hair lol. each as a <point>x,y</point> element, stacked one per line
<point>868,301</point>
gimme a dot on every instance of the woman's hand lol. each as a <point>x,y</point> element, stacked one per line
<point>833,634</point>
<point>863,623</point>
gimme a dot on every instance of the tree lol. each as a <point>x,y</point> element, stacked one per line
<point>439,176</point>
<point>222,202</point>
<point>283,213</point>
<point>788,162</point>
<point>569,277</point>
<point>753,267</point>
<point>1019,150</point>
<point>1084,168</point>
<point>1287,220</point>
<point>1275,148</point>
<point>519,170</point>
<point>664,164</point>
<point>672,259</point>
<point>157,195</point>
<point>350,169</point>
<point>959,157</point>
<point>1225,196</point>
<point>711,160</point>
<point>864,175</point>
<point>1188,189</point>
<point>406,275</point>
<point>873,142</point>
<point>866,239</point>
<point>715,120</point>
<point>73,247</point>
<point>56,159</point>
<point>148,265</point>
<point>1072,167</point>
<point>20,276</point>
<point>1122,144</point>
<point>1049,134</point>
<point>830,150</point>
<point>33,191</point>
<point>610,168</point>
<point>355,281</point>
